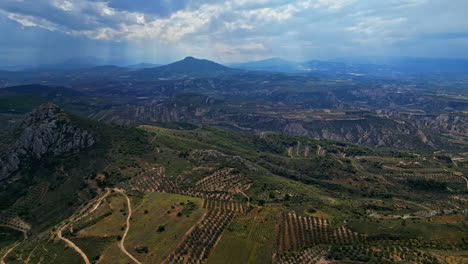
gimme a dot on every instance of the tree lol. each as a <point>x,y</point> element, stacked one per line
<point>161,228</point>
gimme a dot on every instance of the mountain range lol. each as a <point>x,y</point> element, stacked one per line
<point>263,162</point>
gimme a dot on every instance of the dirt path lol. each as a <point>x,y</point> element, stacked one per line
<point>122,241</point>
<point>8,252</point>
<point>70,243</point>
<point>465,180</point>
<point>248,198</point>
<point>96,206</point>
<point>30,255</point>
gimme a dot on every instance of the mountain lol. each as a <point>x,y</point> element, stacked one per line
<point>272,65</point>
<point>417,132</point>
<point>45,131</point>
<point>345,103</point>
<point>322,68</point>
<point>16,67</point>
<point>204,194</point>
<point>382,67</point>
<point>38,89</point>
<point>69,64</point>
<point>412,65</point>
<point>188,66</point>
<point>191,64</point>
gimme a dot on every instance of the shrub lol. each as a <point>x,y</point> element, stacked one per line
<point>142,249</point>
<point>161,228</point>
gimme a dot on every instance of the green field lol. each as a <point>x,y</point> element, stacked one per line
<point>161,209</point>
<point>110,225</point>
<point>249,238</point>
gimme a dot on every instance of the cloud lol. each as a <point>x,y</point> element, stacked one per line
<point>99,20</point>
<point>376,25</point>
<point>231,28</point>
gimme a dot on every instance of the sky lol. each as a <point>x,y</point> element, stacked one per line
<point>160,31</point>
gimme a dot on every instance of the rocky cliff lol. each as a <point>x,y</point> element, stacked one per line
<point>45,131</point>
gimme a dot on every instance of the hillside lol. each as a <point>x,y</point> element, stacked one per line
<point>151,194</point>
<point>425,113</point>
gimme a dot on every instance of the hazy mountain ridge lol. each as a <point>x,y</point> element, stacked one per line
<point>281,102</point>
<point>389,67</point>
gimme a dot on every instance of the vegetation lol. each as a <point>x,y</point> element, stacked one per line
<point>214,196</point>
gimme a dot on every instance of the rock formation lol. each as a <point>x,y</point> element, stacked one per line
<point>45,131</point>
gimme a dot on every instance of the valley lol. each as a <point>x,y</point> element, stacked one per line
<point>209,195</point>
<point>195,162</point>
<point>233,132</point>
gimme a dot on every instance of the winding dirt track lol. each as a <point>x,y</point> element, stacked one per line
<point>466,181</point>
<point>70,243</point>
<point>2,261</point>
<point>122,241</point>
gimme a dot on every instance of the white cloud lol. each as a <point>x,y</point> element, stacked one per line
<point>30,21</point>
<point>64,5</point>
<point>113,24</point>
<point>372,25</point>
<point>233,27</point>
<point>226,49</point>
<point>328,4</point>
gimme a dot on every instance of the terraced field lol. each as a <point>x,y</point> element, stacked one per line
<point>296,201</point>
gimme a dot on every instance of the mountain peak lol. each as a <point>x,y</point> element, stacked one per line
<point>191,65</point>
<point>44,112</point>
<point>45,130</point>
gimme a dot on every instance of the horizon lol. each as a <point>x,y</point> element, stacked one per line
<point>51,31</point>
<point>97,62</point>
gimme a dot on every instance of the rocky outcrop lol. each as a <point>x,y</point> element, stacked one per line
<point>186,108</point>
<point>45,131</point>
<point>456,123</point>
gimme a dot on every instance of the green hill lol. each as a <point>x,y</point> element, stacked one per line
<point>215,196</point>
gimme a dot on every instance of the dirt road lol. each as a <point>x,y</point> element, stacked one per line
<point>2,261</point>
<point>122,241</point>
<point>466,181</point>
<point>70,243</point>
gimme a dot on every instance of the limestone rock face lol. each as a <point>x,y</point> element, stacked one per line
<point>45,131</point>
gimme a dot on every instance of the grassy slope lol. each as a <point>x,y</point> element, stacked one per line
<point>342,195</point>
<point>248,238</point>
<point>111,225</point>
<point>144,227</point>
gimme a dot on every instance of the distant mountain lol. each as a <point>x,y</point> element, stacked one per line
<point>319,67</point>
<point>270,65</point>
<point>16,68</point>
<point>143,66</point>
<point>189,66</point>
<point>411,64</point>
<point>385,67</point>
<point>38,89</point>
<point>70,64</point>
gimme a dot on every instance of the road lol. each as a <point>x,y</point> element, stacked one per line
<point>8,252</point>
<point>122,241</point>
<point>70,243</point>
<point>466,181</point>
